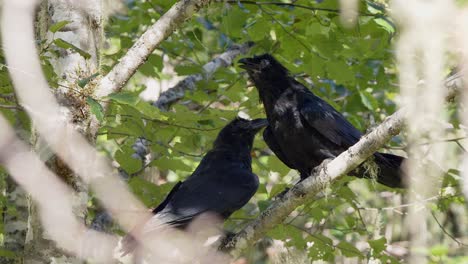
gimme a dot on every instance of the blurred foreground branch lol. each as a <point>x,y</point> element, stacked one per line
<point>54,200</point>
<point>44,111</point>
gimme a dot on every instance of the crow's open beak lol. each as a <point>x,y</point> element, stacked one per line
<point>246,64</point>
<point>259,123</point>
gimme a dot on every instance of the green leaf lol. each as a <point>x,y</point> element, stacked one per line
<point>59,25</point>
<point>127,98</point>
<point>284,232</point>
<point>124,157</point>
<point>349,250</point>
<point>66,45</point>
<point>368,100</point>
<point>149,110</point>
<point>263,204</point>
<point>277,188</point>
<point>233,22</point>
<point>277,165</point>
<point>346,193</point>
<point>378,245</point>
<point>386,24</point>
<point>153,64</point>
<point>149,193</point>
<point>439,250</point>
<point>95,108</point>
<point>8,254</point>
<point>83,82</point>
<point>258,30</point>
<point>173,164</point>
<point>322,248</point>
<point>188,69</point>
<point>375,8</point>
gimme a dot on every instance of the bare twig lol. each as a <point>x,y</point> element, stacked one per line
<point>447,233</point>
<point>8,96</point>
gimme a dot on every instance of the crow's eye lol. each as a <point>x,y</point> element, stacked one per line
<point>264,63</point>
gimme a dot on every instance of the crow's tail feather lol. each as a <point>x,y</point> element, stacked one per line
<point>129,244</point>
<point>390,173</point>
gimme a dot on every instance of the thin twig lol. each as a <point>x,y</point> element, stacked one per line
<point>11,107</point>
<point>291,34</point>
<point>324,241</point>
<point>447,233</point>
<point>8,96</point>
<point>456,140</point>
<point>219,96</point>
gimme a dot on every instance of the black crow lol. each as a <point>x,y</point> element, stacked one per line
<point>222,183</point>
<point>303,129</point>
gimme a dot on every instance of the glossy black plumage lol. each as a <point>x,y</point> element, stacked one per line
<point>303,129</point>
<point>222,183</point>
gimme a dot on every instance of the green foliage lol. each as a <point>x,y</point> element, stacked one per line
<point>151,195</point>
<point>58,26</point>
<point>67,45</point>
<point>352,69</point>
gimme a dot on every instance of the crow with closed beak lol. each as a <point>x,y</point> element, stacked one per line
<point>222,183</point>
<point>303,129</point>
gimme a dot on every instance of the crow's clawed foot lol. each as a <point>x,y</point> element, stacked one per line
<point>322,166</point>
<point>226,241</point>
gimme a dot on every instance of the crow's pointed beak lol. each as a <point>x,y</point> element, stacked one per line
<point>259,123</point>
<point>245,64</point>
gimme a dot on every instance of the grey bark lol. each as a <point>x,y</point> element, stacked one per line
<point>147,43</point>
<point>189,83</point>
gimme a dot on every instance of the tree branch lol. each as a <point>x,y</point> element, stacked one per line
<point>143,47</point>
<point>189,83</point>
<point>324,175</point>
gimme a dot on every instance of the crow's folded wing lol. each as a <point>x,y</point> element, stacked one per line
<point>323,118</point>
<point>222,195</point>
<point>275,147</point>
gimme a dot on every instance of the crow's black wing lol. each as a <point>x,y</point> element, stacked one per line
<point>129,243</point>
<point>327,121</point>
<point>163,204</point>
<point>275,147</point>
<point>207,193</point>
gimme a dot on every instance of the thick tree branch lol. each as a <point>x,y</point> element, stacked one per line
<point>189,83</point>
<point>139,53</point>
<point>321,178</point>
